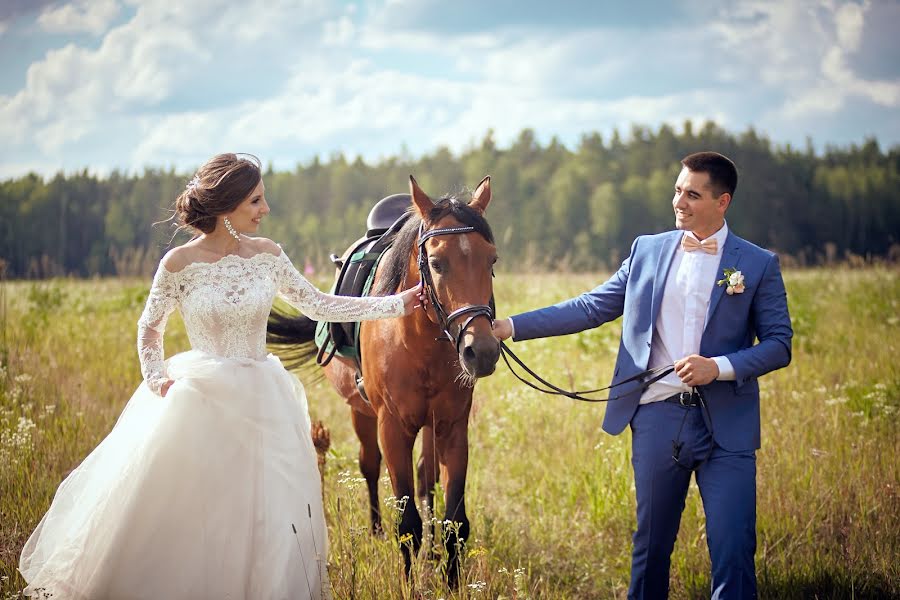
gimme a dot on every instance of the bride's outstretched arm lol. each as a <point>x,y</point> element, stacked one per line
<point>161,303</point>
<point>319,306</point>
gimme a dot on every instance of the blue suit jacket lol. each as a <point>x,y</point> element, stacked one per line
<point>732,325</point>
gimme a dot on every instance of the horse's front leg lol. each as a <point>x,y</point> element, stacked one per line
<point>397,444</point>
<point>452,445</point>
<point>426,472</point>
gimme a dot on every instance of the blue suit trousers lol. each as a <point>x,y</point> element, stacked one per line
<point>727,483</point>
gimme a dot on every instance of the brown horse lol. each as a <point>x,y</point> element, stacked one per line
<point>420,370</point>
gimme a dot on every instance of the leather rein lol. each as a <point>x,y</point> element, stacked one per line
<point>445,320</point>
<point>654,374</point>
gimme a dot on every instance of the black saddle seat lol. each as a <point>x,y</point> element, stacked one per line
<point>386,212</point>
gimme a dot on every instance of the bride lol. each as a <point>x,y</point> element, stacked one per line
<point>207,486</point>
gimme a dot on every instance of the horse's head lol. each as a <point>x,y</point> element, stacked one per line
<point>455,259</point>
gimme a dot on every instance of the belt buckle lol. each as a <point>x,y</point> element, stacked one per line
<point>685,398</point>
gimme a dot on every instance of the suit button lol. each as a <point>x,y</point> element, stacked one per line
<point>648,344</point>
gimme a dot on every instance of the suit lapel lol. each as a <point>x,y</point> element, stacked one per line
<point>731,256</point>
<point>663,263</point>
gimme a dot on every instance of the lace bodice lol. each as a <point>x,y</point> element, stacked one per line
<point>225,305</point>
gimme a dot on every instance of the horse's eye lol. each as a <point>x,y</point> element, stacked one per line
<point>435,265</point>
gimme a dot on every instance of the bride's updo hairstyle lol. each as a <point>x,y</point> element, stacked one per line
<point>219,187</point>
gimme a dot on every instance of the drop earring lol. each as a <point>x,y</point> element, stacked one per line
<point>230,229</point>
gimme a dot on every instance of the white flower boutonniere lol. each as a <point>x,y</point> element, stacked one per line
<point>734,281</point>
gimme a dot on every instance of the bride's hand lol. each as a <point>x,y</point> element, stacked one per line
<point>413,298</point>
<point>165,387</point>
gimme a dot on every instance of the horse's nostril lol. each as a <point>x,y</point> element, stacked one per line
<point>468,355</point>
<point>480,359</point>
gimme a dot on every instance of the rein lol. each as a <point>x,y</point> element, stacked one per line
<point>445,320</point>
<point>655,375</point>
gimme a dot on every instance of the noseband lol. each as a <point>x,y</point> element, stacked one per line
<point>445,321</point>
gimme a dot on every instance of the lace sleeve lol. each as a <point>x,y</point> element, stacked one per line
<point>160,304</point>
<point>316,305</point>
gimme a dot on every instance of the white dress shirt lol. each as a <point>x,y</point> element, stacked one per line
<point>682,316</point>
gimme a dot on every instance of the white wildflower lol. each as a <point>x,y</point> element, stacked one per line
<point>21,437</point>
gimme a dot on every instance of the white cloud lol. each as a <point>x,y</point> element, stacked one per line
<point>163,52</point>
<point>90,16</point>
<point>289,80</point>
<point>339,32</point>
<point>53,136</point>
<point>183,138</point>
<point>315,109</point>
<point>815,101</point>
<point>801,50</point>
<point>849,20</point>
<point>834,67</point>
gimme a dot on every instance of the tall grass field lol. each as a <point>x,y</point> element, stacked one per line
<point>549,494</point>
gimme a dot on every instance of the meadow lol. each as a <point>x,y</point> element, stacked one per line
<point>550,496</point>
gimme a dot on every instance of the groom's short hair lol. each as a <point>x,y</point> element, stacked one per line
<point>722,173</point>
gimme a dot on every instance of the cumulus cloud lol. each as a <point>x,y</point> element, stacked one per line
<point>14,9</point>
<point>849,19</point>
<point>804,53</point>
<point>89,16</point>
<point>174,83</point>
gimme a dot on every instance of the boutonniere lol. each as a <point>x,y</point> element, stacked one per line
<point>734,280</point>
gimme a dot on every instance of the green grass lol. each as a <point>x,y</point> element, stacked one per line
<point>549,494</point>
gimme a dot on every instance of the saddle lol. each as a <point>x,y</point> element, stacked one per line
<point>356,272</point>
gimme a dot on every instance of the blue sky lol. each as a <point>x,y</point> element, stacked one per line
<point>127,84</point>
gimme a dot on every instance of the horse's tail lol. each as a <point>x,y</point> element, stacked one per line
<point>293,337</point>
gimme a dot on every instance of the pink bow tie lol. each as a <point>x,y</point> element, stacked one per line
<point>690,243</point>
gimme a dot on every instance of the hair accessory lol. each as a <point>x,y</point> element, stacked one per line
<point>230,229</point>
<point>193,183</point>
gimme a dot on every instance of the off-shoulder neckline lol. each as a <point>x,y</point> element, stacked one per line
<point>223,259</point>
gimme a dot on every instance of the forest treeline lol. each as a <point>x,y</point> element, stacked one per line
<point>553,207</point>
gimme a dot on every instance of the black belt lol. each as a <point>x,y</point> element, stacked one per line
<point>684,399</point>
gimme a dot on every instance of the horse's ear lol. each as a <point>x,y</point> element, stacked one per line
<point>420,199</point>
<point>481,197</point>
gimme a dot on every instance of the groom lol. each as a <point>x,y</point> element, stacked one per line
<point>698,297</point>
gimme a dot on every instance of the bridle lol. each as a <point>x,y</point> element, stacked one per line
<point>445,320</point>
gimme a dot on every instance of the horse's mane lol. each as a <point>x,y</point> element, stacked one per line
<point>397,257</point>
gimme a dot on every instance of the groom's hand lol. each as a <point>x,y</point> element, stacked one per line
<point>502,329</point>
<point>696,370</point>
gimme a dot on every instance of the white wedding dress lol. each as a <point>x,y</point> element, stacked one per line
<point>198,494</point>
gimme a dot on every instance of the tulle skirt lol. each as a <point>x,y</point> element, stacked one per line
<point>210,492</point>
